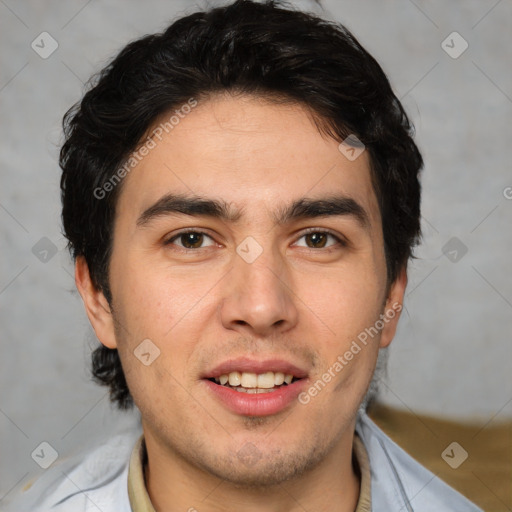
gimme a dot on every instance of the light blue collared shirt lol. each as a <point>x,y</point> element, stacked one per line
<point>99,480</point>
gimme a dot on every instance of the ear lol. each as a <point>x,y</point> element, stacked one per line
<point>96,305</point>
<point>393,308</point>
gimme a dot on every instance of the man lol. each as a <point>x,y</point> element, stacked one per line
<point>241,197</point>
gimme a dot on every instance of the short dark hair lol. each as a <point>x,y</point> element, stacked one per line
<point>265,49</point>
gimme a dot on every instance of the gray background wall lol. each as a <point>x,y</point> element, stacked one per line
<point>453,352</point>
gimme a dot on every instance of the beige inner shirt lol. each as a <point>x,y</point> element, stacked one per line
<point>139,497</point>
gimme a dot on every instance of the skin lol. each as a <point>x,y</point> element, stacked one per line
<point>302,304</point>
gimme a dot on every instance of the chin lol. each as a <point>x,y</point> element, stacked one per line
<point>250,469</point>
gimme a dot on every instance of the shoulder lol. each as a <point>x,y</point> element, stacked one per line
<point>92,481</point>
<point>400,482</point>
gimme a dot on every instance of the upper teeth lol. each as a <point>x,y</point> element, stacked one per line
<point>265,380</point>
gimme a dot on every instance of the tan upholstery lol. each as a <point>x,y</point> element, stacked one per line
<point>485,477</point>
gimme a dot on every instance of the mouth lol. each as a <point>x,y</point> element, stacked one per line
<point>253,383</point>
<point>251,388</point>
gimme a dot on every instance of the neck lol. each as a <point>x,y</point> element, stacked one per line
<point>175,484</point>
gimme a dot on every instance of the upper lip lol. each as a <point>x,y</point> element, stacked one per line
<point>244,364</point>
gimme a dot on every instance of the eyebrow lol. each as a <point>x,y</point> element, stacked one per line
<point>303,208</point>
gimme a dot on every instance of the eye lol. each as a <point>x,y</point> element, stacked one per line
<point>317,239</point>
<point>314,239</point>
<point>190,240</point>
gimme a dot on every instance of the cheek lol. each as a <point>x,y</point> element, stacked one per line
<point>345,310</point>
<point>153,299</point>
<point>151,345</point>
<point>169,307</point>
<point>347,303</point>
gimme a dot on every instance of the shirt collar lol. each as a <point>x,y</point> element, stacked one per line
<point>137,493</point>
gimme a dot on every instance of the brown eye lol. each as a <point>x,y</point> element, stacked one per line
<point>316,240</point>
<point>191,240</point>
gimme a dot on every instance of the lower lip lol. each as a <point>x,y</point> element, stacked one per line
<point>257,404</point>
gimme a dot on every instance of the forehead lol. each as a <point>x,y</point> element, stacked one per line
<point>254,154</point>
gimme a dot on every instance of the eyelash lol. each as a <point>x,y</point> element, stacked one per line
<point>339,240</point>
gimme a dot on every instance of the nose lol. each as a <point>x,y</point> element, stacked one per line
<point>258,299</point>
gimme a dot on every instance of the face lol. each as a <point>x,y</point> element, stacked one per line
<point>247,248</point>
